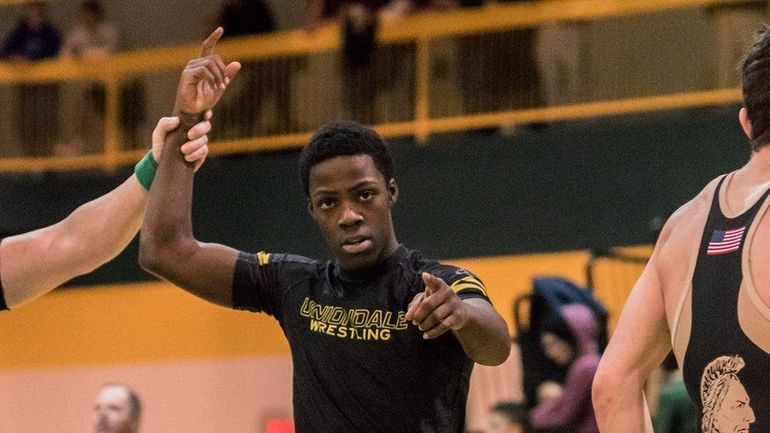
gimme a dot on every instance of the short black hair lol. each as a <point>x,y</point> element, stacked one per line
<point>755,68</point>
<point>344,138</point>
<point>515,413</point>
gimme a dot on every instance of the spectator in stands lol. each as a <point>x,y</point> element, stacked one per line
<point>260,80</point>
<point>731,21</point>
<point>560,54</point>
<point>570,341</point>
<point>34,38</point>
<point>367,70</point>
<point>497,70</point>
<point>117,410</point>
<point>92,38</point>
<point>676,413</point>
<point>507,417</point>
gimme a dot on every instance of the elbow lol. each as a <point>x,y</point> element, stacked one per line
<point>151,255</point>
<point>605,385</point>
<point>157,256</point>
<point>496,355</point>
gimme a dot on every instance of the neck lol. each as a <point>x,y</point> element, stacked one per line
<point>757,170</point>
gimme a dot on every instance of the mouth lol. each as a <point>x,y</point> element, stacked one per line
<point>356,245</point>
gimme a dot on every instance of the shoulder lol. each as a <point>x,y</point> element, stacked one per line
<point>461,280</point>
<point>280,260</point>
<point>699,205</point>
<point>684,225</point>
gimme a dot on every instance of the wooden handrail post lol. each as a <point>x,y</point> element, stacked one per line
<point>112,123</point>
<point>422,89</point>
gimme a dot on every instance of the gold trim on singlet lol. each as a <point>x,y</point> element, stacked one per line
<point>685,299</point>
<point>753,313</point>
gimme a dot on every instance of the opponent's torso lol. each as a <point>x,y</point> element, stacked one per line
<point>721,326</point>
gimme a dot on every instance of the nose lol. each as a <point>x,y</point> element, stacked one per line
<point>349,217</point>
<point>750,418</point>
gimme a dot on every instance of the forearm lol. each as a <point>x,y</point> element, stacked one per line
<point>167,229</point>
<point>34,263</point>
<point>484,337</point>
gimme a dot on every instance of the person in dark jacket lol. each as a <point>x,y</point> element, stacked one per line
<point>571,343</point>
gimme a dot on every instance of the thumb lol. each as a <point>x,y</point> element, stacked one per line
<point>165,125</point>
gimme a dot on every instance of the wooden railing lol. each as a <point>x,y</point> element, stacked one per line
<point>421,30</point>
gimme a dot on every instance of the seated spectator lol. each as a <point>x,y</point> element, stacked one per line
<point>570,341</point>
<point>507,417</point>
<point>93,37</point>
<point>34,38</point>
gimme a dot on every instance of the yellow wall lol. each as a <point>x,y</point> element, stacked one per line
<point>157,322</point>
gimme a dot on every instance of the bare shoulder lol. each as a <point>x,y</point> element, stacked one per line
<point>678,240</point>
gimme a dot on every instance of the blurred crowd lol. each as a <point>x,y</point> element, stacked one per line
<point>495,71</point>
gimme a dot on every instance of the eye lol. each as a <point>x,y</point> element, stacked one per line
<point>366,195</point>
<point>325,203</point>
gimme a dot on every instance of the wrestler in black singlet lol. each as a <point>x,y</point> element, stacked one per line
<point>725,372</point>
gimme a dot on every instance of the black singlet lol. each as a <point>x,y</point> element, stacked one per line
<point>726,374</point>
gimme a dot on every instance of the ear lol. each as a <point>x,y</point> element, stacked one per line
<point>392,192</point>
<point>743,118</point>
<point>310,210</point>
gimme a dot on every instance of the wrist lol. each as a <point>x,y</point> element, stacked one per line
<point>145,170</point>
<point>187,120</point>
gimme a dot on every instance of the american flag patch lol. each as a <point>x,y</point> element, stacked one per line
<point>725,241</point>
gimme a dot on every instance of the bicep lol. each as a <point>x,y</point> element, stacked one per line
<point>206,271</point>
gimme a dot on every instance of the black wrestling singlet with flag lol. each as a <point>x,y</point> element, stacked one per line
<point>727,375</point>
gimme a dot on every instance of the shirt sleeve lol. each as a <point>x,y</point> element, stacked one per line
<point>461,281</point>
<point>261,279</point>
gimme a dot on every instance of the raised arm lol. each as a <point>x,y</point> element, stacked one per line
<point>482,333</point>
<point>639,344</point>
<point>168,248</point>
<point>35,263</point>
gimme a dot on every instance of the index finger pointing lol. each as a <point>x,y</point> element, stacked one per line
<point>207,47</point>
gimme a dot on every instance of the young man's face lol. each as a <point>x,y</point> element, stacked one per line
<point>351,202</point>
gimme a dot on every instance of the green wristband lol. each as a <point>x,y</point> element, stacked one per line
<point>145,170</point>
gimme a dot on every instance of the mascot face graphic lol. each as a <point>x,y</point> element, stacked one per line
<point>726,404</point>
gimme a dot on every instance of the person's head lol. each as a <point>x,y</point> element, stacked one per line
<point>507,417</point>
<point>34,15</point>
<point>347,174</point>
<point>558,341</point>
<point>91,12</point>
<point>726,404</point>
<point>755,80</point>
<point>117,410</point>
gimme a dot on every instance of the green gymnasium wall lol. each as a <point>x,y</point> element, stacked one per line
<point>564,186</point>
